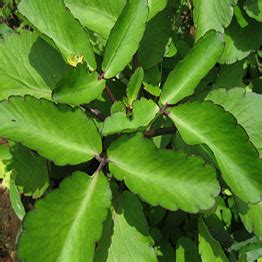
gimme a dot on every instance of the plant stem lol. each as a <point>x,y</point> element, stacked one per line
<point>110,94</point>
<point>94,112</point>
<point>160,131</point>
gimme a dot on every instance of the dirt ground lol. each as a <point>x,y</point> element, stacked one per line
<point>9,227</point>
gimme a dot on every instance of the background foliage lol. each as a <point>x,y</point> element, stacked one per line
<point>131,130</point>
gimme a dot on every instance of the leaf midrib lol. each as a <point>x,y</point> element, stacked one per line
<point>74,227</point>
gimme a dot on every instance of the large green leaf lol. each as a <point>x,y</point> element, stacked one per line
<point>144,111</point>
<point>153,44</point>
<point>211,14</point>
<point>250,215</point>
<point>207,123</point>
<point>246,108</point>
<point>124,37</point>
<point>28,66</point>
<point>65,225</point>
<point>239,42</point>
<point>53,19</point>
<point>160,177</point>
<point>57,132</point>
<point>254,9</point>
<point>209,248</point>
<point>126,230</point>
<point>97,15</point>
<point>78,87</point>
<point>183,80</point>
<point>186,251</point>
<point>29,171</point>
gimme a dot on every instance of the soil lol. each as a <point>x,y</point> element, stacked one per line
<point>9,227</point>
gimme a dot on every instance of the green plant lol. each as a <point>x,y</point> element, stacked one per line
<point>138,125</point>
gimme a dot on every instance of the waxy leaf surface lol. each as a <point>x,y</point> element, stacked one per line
<point>66,224</point>
<point>124,37</point>
<point>29,171</point>
<point>97,15</point>
<point>207,123</point>
<point>183,80</point>
<point>209,248</point>
<point>211,14</point>
<point>29,66</point>
<point>161,177</point>
<point>57,132</point>
<point>126,231</point>
<point>55,21</point>
<point>78,87</point>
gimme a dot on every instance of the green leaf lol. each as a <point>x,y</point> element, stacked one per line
<point>254,9</point>
<point>251,217</point>
<point>160,177</point>
<point>124,37</point>
<point>186,251</point>
<point>144,111</point>
<point>153,44</point>
<point>183,80</point>
<point>28,66</point>
<point>16,200</point>
<point>207,123</point>
<point>211,14</point>
<point>240,41</point>
<point>78,87</point>
<point>53,19</point>
<point>209,248</point>
<point>156,6</point>
<point>246,108</point>
<point>127,222</point>
<point>29,172</point>
<point>134,85</point>
<point>57,132</point>
<point>97,15</point>
<point>65,225</point>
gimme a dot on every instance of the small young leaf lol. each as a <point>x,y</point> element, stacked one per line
<point>65,225</point>
<point>134,85</point>
<point>207,123</point>
<point>24,53</point>
<point>127,221</point>
<point>209,248</point>
<point>29,172</point>
<point>170,179</point>
<point>211,14</point>
<point>183,80</point>
<point>78,87</point>
<point>144,111</point>
<point>57,132</point>
<point>54,20</point>
<point>125,36</point>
